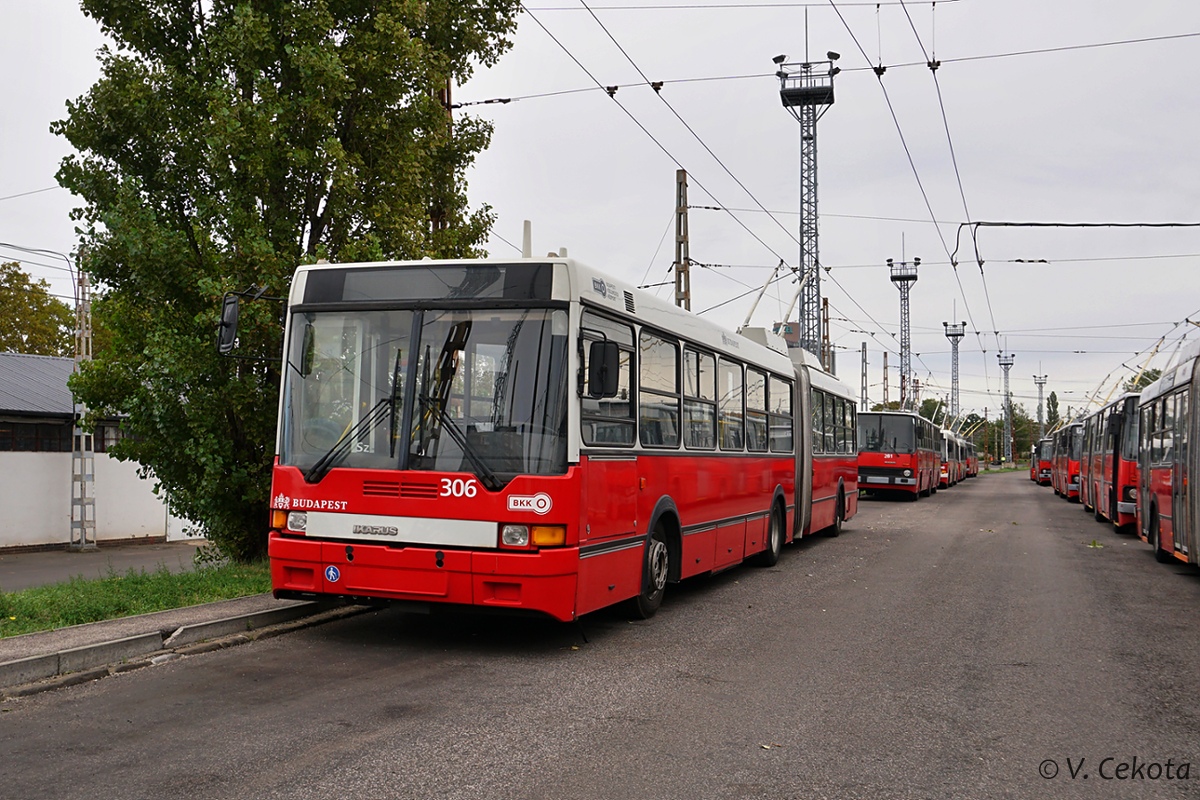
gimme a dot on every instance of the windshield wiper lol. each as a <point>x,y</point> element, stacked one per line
<point>485,473</point>
<point>384,409</point>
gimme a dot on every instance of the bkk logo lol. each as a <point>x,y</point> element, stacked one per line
<point>539,503</point>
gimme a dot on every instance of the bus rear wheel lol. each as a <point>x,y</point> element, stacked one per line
<point>839,515</point>
<point>1160,555</point>
<point>770,556</point>
<point>655,569</point>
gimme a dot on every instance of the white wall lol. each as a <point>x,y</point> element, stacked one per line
<point>35,501</point>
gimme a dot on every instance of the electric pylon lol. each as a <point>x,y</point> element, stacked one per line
<point>955,334</point>
<point>806,90</point>
<point>904,275</point>
<point>1006,362</point>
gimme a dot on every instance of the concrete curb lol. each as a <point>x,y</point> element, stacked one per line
<point>35,674</point>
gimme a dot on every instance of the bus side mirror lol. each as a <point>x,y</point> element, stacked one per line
<point>603,369</point>
<point>308,350</point>
<point>227,332</point>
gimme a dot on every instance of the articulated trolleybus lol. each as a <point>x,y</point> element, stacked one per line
<point>1167,513</point>
<point>531,435</point>
<point>898,452</point>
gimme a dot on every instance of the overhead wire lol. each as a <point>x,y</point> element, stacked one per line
<point>646,131</point>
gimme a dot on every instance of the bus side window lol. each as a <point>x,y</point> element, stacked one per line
<point>756,410</point>
<point>699,403</point>
<point>658,392</point>
<point>779,406</point>
<point>609,420</point>
<point>730,413</point>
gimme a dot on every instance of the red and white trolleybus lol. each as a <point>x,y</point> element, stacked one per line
<point>1168,517</point>
<point>529,434</point>
<point>898,452</point>
<point>1108,466</point>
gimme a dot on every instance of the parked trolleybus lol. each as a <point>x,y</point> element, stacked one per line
<point>1068,448</point>
<point>1166,507</point>
<point>529,434</point>
<point>1108,467</point>
<point>1041,467</point>
<point>898,452</point>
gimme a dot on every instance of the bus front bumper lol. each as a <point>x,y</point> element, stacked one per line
<point>885,480</point>
<point>541,581</point>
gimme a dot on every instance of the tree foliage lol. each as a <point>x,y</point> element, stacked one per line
<point>32,321</point>
<point>1142,380</point>
<point>226,142</point>
<point>1052,415</point>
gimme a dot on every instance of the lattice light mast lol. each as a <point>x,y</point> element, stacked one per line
<point>955,334</point>
<point>904,275</point>
<point>806,90</point>
<point>83,455</point>
<point>1006,362</point>
<point>1040,382</point>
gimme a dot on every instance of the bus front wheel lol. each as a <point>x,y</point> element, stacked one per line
<point>655,569</point>
<point>1160,555</point>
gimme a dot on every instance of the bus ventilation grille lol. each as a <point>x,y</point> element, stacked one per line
<point>629,302</point>
<point>427,491</point>
<point>381,489</point>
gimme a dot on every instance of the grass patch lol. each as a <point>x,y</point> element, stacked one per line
<point>80,601</point>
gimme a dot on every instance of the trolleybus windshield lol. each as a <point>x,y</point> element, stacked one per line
<point>885,434</point>
<point>452,390</point>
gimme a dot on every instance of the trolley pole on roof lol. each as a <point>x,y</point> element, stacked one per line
<point>1040,381</point>
<point>806,90</point>
<point>904,275</point>
<point>955,334</point>
<point>1006,362</point>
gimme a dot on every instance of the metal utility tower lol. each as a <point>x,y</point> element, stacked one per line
<point>83,454</point>
<point>1006,362</point>
<point>955,334</point>
<point>1040,381</point>
<point>683,279</point>
<point>806,90</point>
<point>904,275</point>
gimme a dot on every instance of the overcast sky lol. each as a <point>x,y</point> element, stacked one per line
<point>1058,111</point>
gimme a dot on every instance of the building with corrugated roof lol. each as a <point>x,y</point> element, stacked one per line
<point>37,415</point>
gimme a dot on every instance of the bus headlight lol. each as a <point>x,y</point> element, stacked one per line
<point>908,473</point>
<point>1130,494</point>
<point>533,535</point>
<point>297,521</point>
<point>515,535</point>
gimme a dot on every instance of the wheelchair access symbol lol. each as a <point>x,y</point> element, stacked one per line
<point>332,574</point>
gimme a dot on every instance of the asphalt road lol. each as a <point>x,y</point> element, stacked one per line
<point>964,646</point>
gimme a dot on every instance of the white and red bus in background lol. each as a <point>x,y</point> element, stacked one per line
<point>972,458</point>
<point>953,461</point>
<point>1041,462</point>
<point>1166,506</point>
<point>898,452</point>
<point>1108,466</point>
<point>1068,448</point>
<point>530,434</point>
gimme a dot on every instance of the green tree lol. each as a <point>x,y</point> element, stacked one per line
<point>1052,417</point>
<point>1142,380</point>
<point>225,143</point>
<point>32,321</point>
